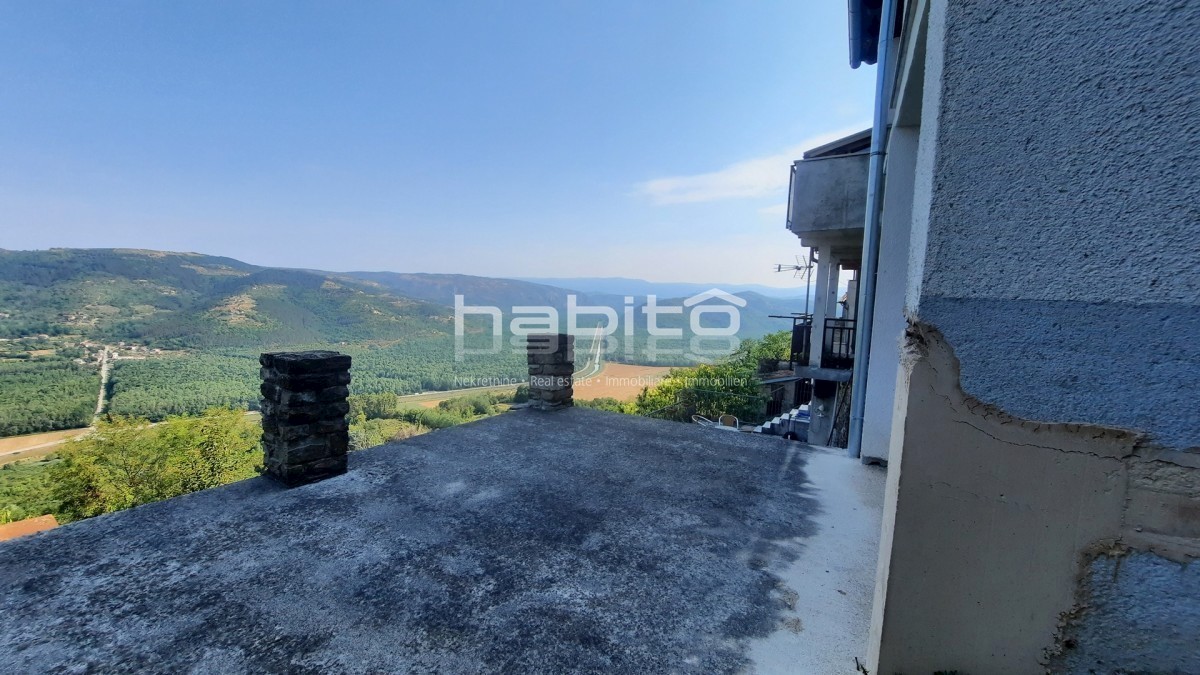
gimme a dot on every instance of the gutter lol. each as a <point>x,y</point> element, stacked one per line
<point>870,259</point>
<point>855,10</point>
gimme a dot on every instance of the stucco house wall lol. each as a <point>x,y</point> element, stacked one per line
<point>1046,412</point>
<point>1062,249</point>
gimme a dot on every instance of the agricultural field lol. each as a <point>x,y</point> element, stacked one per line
<point>620,381</point>
<point>31,446</point>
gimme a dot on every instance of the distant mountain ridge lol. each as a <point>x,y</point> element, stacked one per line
<point>508,293</point>
<point>499,292</point>
<point>196,300</point>
<point>663,289</point>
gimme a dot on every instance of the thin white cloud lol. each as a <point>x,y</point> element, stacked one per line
<point>748,179</point>
<point>774,210</point>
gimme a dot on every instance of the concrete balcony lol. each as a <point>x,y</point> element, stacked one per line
<point>828,193</point>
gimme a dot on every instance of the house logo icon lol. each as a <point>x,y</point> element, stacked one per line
<point>730,308</point>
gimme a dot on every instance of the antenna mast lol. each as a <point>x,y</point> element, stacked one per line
<point>802,269</point>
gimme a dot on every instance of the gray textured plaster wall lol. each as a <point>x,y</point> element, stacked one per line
<point>1140,617</point>
<point>1056,249</point>
<point>1062,256</point>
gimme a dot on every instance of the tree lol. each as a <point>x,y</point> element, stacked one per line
<point>603,403</point>
<point>771,347</point>
<point>216,448</point>
<point>127,461</point>
<point>729,386</point>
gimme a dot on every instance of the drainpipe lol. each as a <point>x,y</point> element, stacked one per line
<point>870,259</point>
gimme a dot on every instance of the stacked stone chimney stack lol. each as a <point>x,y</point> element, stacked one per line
<point>551,367</point>
<point>304,406</point>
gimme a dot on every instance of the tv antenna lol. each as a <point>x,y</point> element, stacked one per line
<point>802,269</point>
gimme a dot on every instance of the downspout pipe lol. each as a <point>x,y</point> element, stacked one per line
<point>871,232</point>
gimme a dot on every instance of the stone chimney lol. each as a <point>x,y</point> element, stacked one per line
<point>551,365</point>
<point>304,406</point>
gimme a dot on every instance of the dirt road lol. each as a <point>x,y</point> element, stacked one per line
<point>105,368</point>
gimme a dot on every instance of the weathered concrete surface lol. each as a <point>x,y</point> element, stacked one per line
<point>829,196</point>
<point>571,541</point>
<point>831,584</point>
<point>1139,615</point>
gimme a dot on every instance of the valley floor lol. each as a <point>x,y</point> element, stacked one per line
<point>621,381</point>
<point>616,380</point>
<point>32,446</point>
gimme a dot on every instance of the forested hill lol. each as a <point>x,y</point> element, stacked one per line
<point>190,300</point>
<point>505,293</point>
<point>193,300</point>
<point>181,332</point>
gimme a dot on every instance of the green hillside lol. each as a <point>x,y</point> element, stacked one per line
<point>504,293</point>
<point>88,291</point>
<point>188,300</point>
<point>184,330</point>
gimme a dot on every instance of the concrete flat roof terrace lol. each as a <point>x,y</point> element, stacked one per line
<point>568,541</point>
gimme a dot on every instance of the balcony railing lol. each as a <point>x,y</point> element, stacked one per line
<point>801,336</point>
<point>837,344</point>
<point>774,407</point>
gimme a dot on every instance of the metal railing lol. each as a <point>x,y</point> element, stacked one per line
<point>801,336</point>
<point>837,344</point>
<point>774,407</point>
<point>711,403</point>
<point>778,401</point>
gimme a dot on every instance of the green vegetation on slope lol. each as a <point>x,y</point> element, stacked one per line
<point>126,461</point>
<point>184,300</point>
<point>25,490</point>
<point>425,364</point>
<point>215,315</point>
<point>46,395</point>
<point>729,386</point>
<point>187,384</point>
<point>184,384</point>
<point>370,433</point>
<point>448,413</point>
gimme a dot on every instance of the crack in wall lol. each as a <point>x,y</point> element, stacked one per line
<point>1010,512</point>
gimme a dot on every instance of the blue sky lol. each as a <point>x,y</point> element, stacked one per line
<point>642,139</point>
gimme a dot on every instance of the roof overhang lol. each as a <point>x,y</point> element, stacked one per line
<point>864,31</point>
<point>864,18</point>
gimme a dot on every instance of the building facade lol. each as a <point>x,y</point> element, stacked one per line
<point>1034,363</point>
